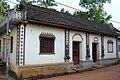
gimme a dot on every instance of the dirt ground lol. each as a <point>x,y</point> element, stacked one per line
<point>108,73</point>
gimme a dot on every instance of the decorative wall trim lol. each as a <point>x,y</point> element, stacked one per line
<point>102,46</point>
<point>20,44</point>
<point>24,45</point>
<point>22,29</point>
<point>66,45</point>
<point>47,35</point>
<point>95,39</point>
<point>87,46</point>
<point>76,35</point>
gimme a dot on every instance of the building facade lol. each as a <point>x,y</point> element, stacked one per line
<point>45,44</point>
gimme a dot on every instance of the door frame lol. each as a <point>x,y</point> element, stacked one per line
<point>94,54</point>
<point>78,54</point>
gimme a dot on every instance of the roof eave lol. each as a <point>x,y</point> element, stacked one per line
<point>70,27</point>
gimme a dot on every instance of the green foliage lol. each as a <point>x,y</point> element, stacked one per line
<point>27,1</point>
<point>94,10</point>
<point>14,75</point>
<point>118,61</point>
<point>3,7</point>
<point>80,13</point>
<point>88,4</point>
<point>46,3</point>
<point>64,11</point>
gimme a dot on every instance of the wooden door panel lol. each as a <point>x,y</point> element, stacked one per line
<point>94,52</point>
<point>76,52</point>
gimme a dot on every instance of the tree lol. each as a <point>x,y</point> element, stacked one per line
<point>88,4</point>
<point>3,7</point>
<point>80,13</point>
<point>94,10</point>
<point>64,11</point>
<point>46,3</point>
<point>27,1</point>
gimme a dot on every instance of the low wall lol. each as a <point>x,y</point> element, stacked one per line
<point>86,64</point>
<point>32,70</point>
<point>107,61</point>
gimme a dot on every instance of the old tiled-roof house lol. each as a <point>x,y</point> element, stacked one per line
<point>45,41</point>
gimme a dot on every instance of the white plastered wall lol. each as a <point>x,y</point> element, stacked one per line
<point>32,45</point>
<point>91,41</point>
<point>13,32</point>
<point>82,44</point>
<point>109,55</point>
<point>13,55</point>
<point>119,49</point>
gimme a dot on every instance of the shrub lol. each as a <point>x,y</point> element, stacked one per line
<point>14,75</point>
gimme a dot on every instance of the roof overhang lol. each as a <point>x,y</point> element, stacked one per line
<point>70,27</point>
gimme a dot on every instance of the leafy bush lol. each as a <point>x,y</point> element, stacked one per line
<point>14,75</point>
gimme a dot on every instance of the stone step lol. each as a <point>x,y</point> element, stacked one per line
<point>2,77</point>
<point>71,71</point>
<point>78,69</point>
<point>98,66</point>
<point>74,69</point>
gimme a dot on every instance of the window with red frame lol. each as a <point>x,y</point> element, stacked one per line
<point>47,44</point>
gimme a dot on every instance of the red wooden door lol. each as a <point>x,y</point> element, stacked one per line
<point>76,52</point>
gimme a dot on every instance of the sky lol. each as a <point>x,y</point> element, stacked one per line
<point>112,9</point>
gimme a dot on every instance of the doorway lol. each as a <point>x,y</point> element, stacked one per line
<point>3,49</point>
<point>94,52</point>
<point>76,52</point>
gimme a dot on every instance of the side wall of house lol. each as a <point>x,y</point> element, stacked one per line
<point>106,39</point>
<point>119,48</point>
<point>13,55</point>
<point>110,57</point>
<point>32,45</point>
<point>107,54</point>
<point>3,47</point>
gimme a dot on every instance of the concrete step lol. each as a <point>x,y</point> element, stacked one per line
<point>78,69</point>
<point>71,71</point>
<point>98,66</point>
<point>2,77</point>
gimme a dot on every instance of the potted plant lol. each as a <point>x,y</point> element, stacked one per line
<point>66,58</point>
<point>102,56</point>
<point>87,57</point>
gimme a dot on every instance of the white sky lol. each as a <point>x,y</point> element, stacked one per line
<point>112,9</point>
